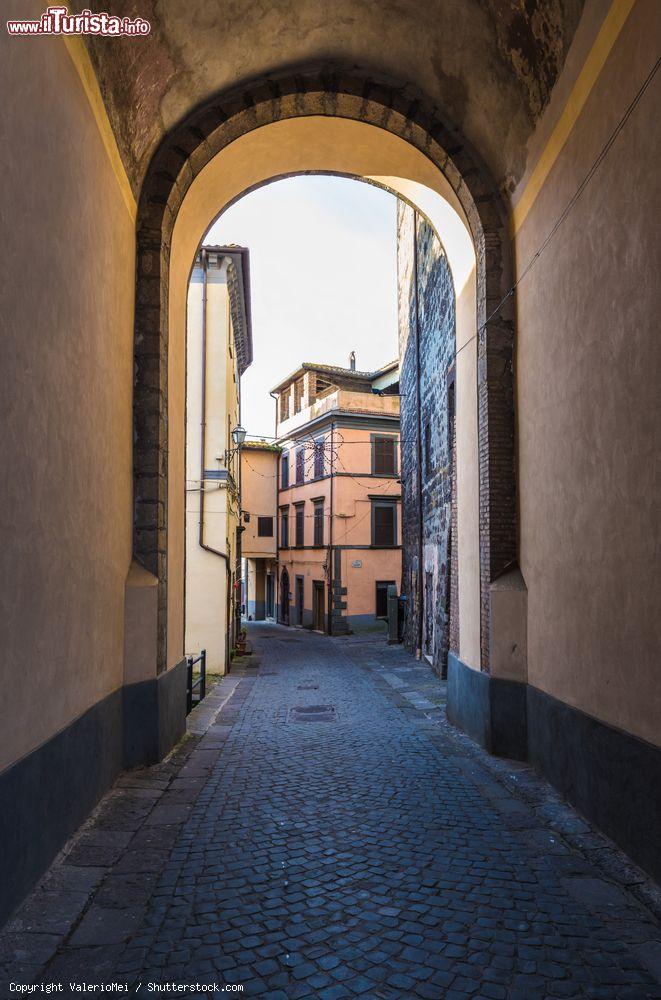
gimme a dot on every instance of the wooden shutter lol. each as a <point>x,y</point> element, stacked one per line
<point>384,456</point>
<point>319,524</point>
<point>384,524</point>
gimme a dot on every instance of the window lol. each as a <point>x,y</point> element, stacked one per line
<point>382,597</point>
<point>384,523</point>
<point>300,465</point>
<point>265,527</point>
<point>284,471</point>
<point>284,528</point>
<point>300,524</point>
<point>384,455</point>
<point>319,458</point>
<point>319,522</point>
<point>323,386</point>
<point>298,395</point>
<point>284,404</point>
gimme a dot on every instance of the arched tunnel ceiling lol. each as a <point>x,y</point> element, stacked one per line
<point>489,65</point>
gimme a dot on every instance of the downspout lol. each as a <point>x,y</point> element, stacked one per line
<point>203,445</point>
<point>418,651</point>
<point>330,535</point>
<point>276,596</point>
<point>240,529</point>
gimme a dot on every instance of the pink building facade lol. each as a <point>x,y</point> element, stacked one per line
<point>339,494</point>
<point>259,540</point>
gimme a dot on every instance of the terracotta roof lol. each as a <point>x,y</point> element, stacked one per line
<point>314,366</point>
<point>260,446</point>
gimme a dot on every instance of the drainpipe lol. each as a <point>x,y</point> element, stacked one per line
<point>330,536</point>
<point>240,529</point>
<point>276,596</point>
<point>419,433</point>
<point>203,443</point>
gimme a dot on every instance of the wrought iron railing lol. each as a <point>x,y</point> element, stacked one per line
<point>200,684</point>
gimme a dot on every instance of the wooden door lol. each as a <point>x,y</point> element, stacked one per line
<point>300,599</point>
<point>318,606</point>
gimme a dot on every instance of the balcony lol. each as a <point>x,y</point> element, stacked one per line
<point>340,400</point>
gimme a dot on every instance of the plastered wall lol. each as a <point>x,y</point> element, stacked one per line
<point>66,367</point>
<point>588,371</point>
<point>259,497</point>
<point>206,597</point>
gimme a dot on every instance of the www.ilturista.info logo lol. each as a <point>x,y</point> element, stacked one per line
<point>58,21</point>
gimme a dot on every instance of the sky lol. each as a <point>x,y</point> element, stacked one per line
<point>323,275</point>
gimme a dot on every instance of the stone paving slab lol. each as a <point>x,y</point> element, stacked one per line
<point>376,854</point>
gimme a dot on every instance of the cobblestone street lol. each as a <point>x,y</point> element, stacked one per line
<point>365,850</point>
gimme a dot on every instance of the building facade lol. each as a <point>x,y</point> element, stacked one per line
<point>218,351</point>
<point>426,317</point>
<point>259,539</point>
<point>339,523</point>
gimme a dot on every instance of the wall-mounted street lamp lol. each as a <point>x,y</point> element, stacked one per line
<point>239,435</point>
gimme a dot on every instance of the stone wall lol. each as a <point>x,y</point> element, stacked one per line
<point>426,304</point>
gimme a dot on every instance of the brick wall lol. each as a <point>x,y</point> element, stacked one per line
<point>426,429</point>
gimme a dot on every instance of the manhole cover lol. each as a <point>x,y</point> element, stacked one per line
<point>312,713</point>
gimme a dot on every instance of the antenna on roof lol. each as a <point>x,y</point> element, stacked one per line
<point>352,361</point>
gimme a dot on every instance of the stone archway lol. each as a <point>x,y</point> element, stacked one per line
<point>182,157</point>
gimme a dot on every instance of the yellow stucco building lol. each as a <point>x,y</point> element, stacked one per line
<point>218,351</point>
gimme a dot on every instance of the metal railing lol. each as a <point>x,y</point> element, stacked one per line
<point>200,684</point>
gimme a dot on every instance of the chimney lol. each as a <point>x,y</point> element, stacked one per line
<point>352,361</point>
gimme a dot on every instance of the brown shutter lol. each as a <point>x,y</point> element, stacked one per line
<point>384,456</point>
<point>384,525</point>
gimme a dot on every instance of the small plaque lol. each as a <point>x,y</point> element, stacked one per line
<point>357,564</point>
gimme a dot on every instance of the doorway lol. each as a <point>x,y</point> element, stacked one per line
<point>300,600</point>
<point>284,598</point>
<point>270,596</point>
<point>429,609</point>
<point>318,606</point>
<point>382,597</point>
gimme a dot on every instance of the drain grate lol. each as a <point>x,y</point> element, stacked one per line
<point>312,713</point>
<point>308,687</point>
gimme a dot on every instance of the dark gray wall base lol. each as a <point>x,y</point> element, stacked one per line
<point>492,711</point>
<point>612,777</point>
<point>367,623</point>
<point>256,610</point>
<point>154,716</point>
<point>47,795</point>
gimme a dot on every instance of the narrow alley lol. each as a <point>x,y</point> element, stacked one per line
<point>323,832</point>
